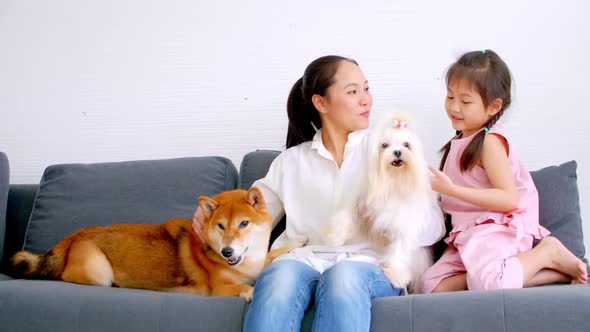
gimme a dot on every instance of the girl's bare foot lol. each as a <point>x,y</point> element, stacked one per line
<point>582,274</point>
<point>562,260</point>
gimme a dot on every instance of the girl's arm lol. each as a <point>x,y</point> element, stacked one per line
<point>494,159</point>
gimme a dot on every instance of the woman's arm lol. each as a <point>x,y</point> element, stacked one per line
<point>274,205</point>
<point>502,197</point>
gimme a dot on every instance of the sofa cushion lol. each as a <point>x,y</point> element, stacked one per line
<point>38,305</point>
<point>4,183</point>
<point>73,196</point>
<point>547,308</point>
<point>18,211</point>
<point>559,204</point>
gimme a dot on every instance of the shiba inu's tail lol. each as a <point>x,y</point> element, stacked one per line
<point>45,265</point>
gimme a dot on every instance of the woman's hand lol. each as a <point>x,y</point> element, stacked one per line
<point>198,220</point>
<point>440,182</point>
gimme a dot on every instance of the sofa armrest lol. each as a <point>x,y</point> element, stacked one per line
<point>20,204</point>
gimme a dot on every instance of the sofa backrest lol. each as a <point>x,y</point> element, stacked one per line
<point>18,211</point>
<point>188,178</point>
<point>254,166</point>
<point>73,196</point>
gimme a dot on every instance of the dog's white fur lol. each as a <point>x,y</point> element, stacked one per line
<point>393,205</point>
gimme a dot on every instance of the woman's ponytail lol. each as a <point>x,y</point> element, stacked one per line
<point>301,114</point>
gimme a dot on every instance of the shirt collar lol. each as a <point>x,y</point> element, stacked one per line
<point>354,139</point>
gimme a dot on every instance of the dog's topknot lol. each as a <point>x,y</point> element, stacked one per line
<point>395,119</point>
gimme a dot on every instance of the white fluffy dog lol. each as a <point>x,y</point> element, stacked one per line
<point>394,205</point>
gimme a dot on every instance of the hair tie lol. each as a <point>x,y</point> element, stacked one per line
<point>486,129</point>
<point>483,52</point>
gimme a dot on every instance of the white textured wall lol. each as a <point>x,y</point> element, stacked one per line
<point>113,80</point>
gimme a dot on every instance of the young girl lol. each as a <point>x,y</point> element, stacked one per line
<point>328,110</point>
<point>489,193</point>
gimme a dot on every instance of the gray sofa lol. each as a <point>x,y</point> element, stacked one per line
<point>77,195</point>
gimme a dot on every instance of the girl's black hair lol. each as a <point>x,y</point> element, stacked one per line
<point>491,79</point>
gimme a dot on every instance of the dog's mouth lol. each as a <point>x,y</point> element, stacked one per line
<point>236,260</point>
<point>397,163</point>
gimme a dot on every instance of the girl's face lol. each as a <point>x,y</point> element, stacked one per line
<point>348,101</point>
<point>465,107</point>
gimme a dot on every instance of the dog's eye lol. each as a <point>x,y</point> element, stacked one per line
<point>244,223</point>
<point>384,145</point>
<point>407,145</point>
<point>221,226</point>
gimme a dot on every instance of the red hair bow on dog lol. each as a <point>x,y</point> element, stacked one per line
<point>400,124</point>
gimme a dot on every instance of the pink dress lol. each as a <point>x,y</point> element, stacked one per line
<point>484,243</point>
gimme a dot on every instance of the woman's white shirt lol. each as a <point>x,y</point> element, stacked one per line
<point>306,183</point>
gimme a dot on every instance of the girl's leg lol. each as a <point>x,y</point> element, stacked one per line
<point>496,257</point>
<point>489,253</point>
<point>546,276</point>
<point>550,253</point>
<point>446,275</point>
<point>454,283</point>
<point>543,277</point>
<point>344,293</point>
<point>281,295</point>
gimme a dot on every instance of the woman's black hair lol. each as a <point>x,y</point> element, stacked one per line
<point>304,118</point>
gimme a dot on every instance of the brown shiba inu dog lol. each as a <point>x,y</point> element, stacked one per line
<point>169,256</point>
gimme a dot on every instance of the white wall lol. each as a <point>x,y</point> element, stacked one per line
<point>113,80</point>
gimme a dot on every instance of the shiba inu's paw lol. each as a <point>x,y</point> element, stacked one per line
<point>294,243</point>
<point>398,276</point>
<point>247,292</point>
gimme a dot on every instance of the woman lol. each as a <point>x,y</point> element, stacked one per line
<point>328,110</point>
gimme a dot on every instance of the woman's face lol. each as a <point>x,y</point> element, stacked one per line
<point>348,101</point>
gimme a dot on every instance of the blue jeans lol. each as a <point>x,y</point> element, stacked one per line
<point>342,295</point>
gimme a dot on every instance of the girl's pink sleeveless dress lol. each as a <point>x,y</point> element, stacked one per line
<point>483,243</point>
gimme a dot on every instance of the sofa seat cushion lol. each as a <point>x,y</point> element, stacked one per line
<point>546,308</point>
<point>74,196</point>
<point>34,305</point>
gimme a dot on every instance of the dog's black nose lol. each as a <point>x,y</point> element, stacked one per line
<point>397,153</point>
<point>227,252</point>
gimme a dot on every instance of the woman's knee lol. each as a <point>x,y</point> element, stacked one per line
<point>284,280</point>
<point>351,279</point>
<point>350,274</point>
<point>281,295</point>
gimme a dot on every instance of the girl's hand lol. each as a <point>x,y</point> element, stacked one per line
<point>440,182</point>
<point>198,220</point>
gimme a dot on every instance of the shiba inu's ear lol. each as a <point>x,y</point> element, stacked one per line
<point>208,205</point>
<point>255,198</point>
